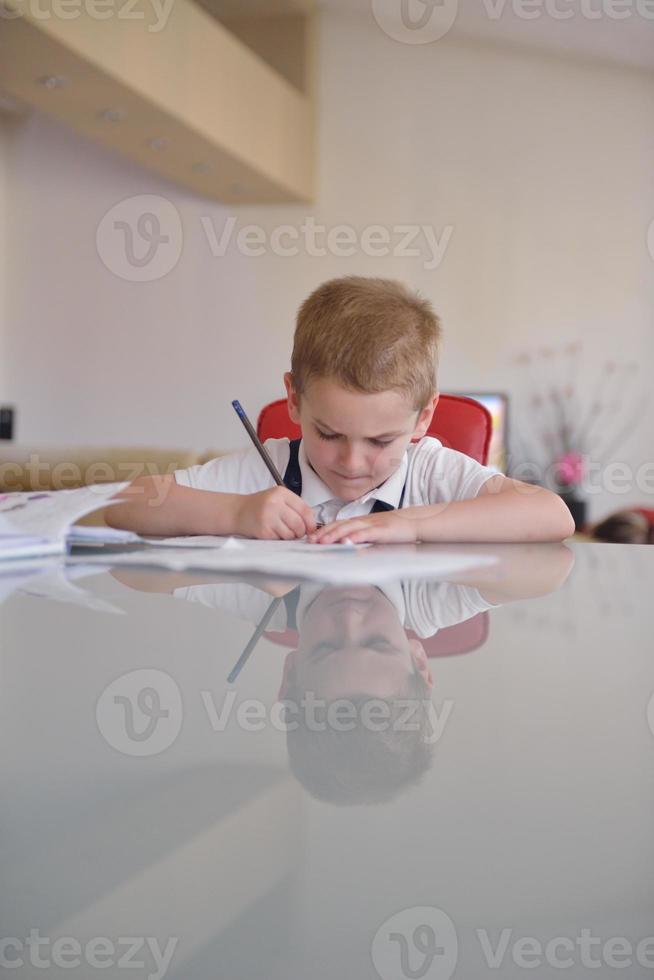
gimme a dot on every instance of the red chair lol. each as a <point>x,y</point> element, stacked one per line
<point>460,423</point>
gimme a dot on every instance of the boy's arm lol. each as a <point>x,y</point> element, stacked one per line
<point>523,571</point>
<point>503,510</point>
<point>159,505</point>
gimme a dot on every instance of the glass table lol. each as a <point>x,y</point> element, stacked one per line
<point>242,778</point>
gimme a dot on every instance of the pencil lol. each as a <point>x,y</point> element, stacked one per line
<point>251,431</point>
<point>254,639</point>
<point>249,428</point>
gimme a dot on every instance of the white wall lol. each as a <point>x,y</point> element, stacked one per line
<point>541,165</point>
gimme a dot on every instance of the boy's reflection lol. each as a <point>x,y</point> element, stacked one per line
<point>351,652</point>
<point>352,640</point>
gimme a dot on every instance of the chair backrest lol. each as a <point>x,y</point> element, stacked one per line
<point>460,423</point>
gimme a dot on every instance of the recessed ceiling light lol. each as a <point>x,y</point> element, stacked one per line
<point>53,81</point>
<point>9,104</point>
<point>112,115</point>
<point>158,143</point>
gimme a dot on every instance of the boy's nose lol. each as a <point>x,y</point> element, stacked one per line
<point>351,462</point>
<point>350,616</point>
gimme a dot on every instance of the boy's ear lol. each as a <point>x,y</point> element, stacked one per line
<point>419,657</point>
<point>292,398</point>
<point>425,417</point>
<point>287,675</point>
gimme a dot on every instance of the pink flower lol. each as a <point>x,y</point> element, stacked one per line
<point>570,469</point>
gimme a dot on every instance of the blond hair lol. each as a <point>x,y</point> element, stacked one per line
<point>369,335</point>
<point>360,765</point>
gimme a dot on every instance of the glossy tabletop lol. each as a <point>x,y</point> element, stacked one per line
<point>233,779</point>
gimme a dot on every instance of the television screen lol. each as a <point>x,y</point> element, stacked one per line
<point>498,406</point>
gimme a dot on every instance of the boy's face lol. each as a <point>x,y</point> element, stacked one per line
<point>351,641</point>
<point>355,441</point>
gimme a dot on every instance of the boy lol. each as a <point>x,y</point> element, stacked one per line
<point>361,387</point>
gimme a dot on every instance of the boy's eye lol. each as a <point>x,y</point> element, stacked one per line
<point>380,643</point>
<point>375,442</point>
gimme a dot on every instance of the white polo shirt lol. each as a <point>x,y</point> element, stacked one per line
<point>432,473</point>
<point>422,606</point>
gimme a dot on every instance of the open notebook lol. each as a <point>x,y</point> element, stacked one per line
<point>40,522</point>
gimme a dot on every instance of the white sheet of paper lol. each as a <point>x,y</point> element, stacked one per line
<point>56,585</point>
<point>234,543</point>
<point>25,546</point>
<point>15,574</point>
<point>189,541</point>
<point>349,566</point>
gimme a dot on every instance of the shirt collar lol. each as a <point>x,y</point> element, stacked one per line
<point>315,492</point>
<point>308,591</point>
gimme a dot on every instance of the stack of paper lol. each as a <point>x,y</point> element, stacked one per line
<point>38,523</point>
<point>91,536</point>
<point>25,545</point>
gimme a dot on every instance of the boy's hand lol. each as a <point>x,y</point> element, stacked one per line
<point>388,528</point>
<point>275,513</point>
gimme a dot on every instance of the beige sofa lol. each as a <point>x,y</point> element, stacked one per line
<point>29,467</point>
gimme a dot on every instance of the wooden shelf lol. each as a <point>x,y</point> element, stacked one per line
<point>189,99</point>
